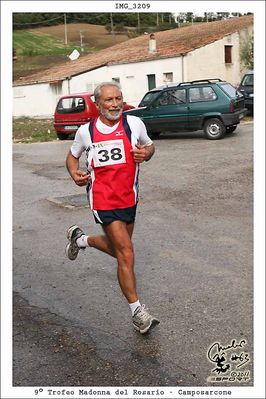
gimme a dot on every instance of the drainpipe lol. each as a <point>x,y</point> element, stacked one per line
<point>68,84</point>
<point>182,67</point>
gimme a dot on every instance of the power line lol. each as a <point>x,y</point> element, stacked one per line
<point>38,23</point>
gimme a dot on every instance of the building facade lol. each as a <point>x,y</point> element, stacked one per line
<point>217,59</point>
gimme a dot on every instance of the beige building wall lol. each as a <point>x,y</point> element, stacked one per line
<point>209,61</point>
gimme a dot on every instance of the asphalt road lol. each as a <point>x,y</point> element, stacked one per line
<point>193,244</point>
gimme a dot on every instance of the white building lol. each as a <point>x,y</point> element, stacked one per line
<point>199,51</point>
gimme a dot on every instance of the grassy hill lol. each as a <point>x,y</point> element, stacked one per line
<point>94,36</point>
<point>40,48</point>
<point>30,44</point>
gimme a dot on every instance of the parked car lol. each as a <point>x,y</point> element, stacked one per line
<point>211,105</point>
<point>246,88</point>
<point>75,110</point>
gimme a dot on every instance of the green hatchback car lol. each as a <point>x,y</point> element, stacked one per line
<point>211,105</point>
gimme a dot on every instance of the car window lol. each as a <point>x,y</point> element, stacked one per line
<point>247,80</point>
<point>171,97</point>
<point>179,95</point>
<point>201,94</point>
<point>148,98</point>
<point>71,105</point>
<point>230,90</point>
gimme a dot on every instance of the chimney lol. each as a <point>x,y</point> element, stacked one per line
<point>152,44</point>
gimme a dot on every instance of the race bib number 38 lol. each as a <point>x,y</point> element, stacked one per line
<point>109,152</point>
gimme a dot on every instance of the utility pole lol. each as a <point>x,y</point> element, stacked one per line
<point>178,20</point>
<point>138,22</point>
<point>65,28</point>
<point>112,25</point>
<point>81,42</point>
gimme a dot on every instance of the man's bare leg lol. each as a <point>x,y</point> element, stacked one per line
<point>103,243</point>
<point>117,243</point>
<point>119,235</point>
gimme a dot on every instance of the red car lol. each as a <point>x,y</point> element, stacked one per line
<point>75,110</point>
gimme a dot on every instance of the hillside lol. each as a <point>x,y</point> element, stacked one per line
<point>38,49</point>
<point>94,36</point>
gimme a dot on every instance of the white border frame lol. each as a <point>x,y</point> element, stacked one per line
<point>258,8</point>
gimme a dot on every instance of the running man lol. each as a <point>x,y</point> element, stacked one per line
<point>115,145</point>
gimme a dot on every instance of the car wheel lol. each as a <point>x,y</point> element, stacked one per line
<point>231,129</point>
<point>214,129</point>
<point>62,136</point>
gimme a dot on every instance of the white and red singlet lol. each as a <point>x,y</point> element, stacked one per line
<point>114,173</point>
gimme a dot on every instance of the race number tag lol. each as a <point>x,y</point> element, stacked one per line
<point>109,152</point>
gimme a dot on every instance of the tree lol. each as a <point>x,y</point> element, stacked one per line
<point>223,15</point>
<point>246,52</point>
<point>210,16</point>
<point>181,17</point>
<point>28,20</point>
<point>189,16</point>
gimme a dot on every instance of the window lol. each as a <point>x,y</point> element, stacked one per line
<point>148,98</point>
<point>151,82</point>
<point>228,54</point>
<point>201,94</point>
<point>171,97</point>
<point>230,90</point>
<point>56,86</point>
<point>71,105</point>
<point>18,92</point>
<point>179,96</point>
<point>248,80</point>
<point>168,77</point>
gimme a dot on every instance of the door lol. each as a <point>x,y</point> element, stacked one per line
<point>169,112</point>
<point>151,82</point>
<point>202,100</point>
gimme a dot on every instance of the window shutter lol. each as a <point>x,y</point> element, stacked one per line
<point>228,54</point>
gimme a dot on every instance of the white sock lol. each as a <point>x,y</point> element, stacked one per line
<point>134,306</point>
<point>82,241</point>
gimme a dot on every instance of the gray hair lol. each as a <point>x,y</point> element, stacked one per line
<point>97,90</point>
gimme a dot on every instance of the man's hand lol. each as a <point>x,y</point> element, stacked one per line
<point>80,178</point>
<point>142,153</point>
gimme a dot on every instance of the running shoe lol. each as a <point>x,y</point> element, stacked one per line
<point>143,321</point>
<point>72,249</point>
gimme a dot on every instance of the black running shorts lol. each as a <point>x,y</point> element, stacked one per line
<point>127,215</point>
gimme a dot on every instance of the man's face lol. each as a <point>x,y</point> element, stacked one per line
<point>110,103</point>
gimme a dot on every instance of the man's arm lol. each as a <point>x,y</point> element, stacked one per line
<point>79,177</point>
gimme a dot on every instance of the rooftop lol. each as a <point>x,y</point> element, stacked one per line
<point>170,43</point>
